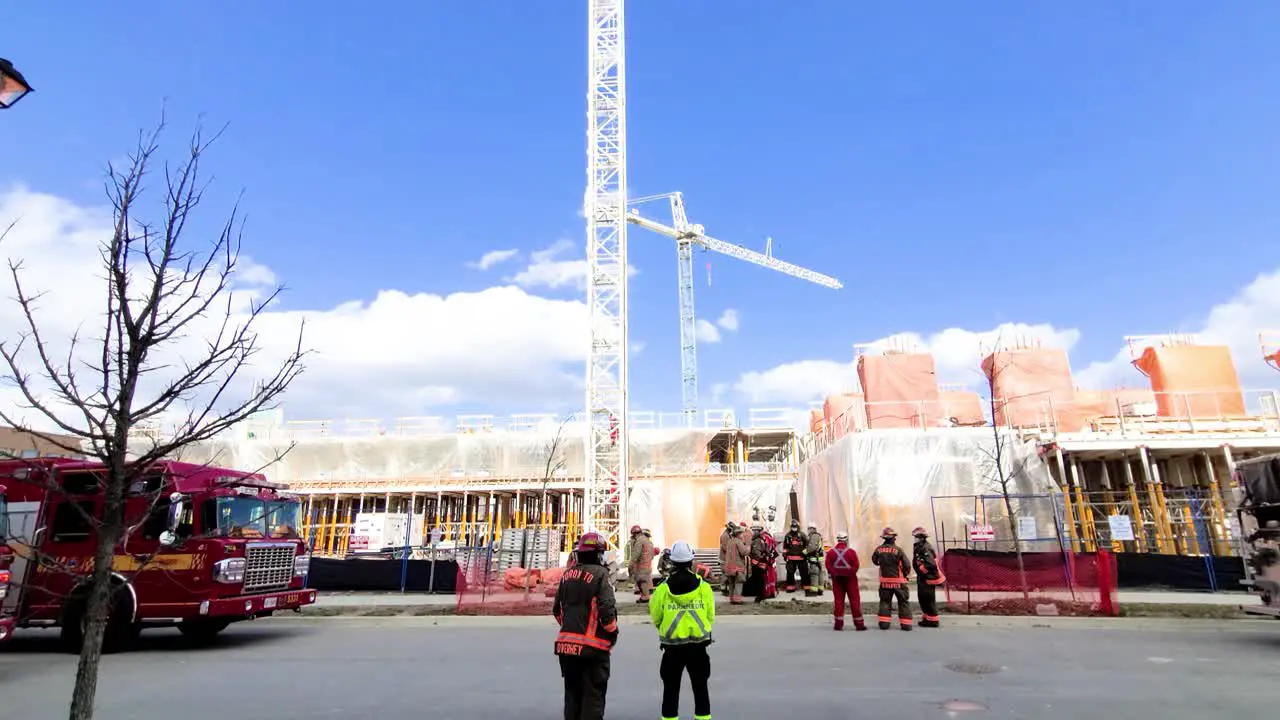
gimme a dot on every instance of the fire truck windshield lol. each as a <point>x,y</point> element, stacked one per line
<point>247,517</point>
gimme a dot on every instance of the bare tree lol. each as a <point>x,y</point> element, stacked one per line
<point>160,292</point>
<point>553,454</point>
<point>1008,470</point>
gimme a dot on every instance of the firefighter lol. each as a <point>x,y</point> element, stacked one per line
<point>894,574</point>
<point>726,539</point>
<point>759,555</point>
<point>588,617</point>
<point>684,612</point>
<point>842,567</point>
<point>814,555</point>
<point>793,550</point>
<point>928,577</point>
<point>664,566</point>
<point>640,563</point>
<point>737,558</point>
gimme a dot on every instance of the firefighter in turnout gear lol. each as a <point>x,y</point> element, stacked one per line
<point>684,611</point>
<point>640,563</point>
<point>584,607</point>
<point>760,558</point>
<point>793,551</point>
<point>842,566</point>
<point>737,559</point>
<point>894,574</point>
<point>726,538</point>
<point>664,566</point>
<point>814,555</point>
<point>928,577</point>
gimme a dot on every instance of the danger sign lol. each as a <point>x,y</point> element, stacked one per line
<point>981,533</point>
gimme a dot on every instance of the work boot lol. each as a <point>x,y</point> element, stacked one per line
<point>929,623</point>
<point>884,626</point>
<point>642,600</point>
<point>839,625</point>
<point>905,627</point>
<point>859,626</point>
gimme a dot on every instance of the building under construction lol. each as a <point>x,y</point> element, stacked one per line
<point>1135,470</point>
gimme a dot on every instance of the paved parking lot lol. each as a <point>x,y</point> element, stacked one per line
<point>763,667</point>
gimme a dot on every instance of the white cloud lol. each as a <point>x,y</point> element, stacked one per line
<point>706,332</point>
<point>638,347</point>
<point>494,257</point>
<point>1234,323</point>
<point>398,353</point>
<point>957,354</point>
<point>548,269</point>
<point>729,320</point>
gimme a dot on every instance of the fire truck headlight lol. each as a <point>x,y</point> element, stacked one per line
<point>301,565</point>
<point>229,571</point>
<point>4,583</point>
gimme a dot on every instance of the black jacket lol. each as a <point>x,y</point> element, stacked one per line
<point>926,564</point>
<point>892,563</point>
<point>586,611</point>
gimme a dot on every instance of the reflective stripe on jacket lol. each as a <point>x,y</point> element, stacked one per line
<point>683,618</point>
<point>893,565</point>
<point>842,561</point>
<point>926,563</point>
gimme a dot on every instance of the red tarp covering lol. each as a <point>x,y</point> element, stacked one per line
<point>1193,381</point>
<point>844,414</point>
<point>901,390</point>
<point>1029,382</point>
<point>966,408</point>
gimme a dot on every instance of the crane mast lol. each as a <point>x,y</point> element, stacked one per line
<point>606,198</point>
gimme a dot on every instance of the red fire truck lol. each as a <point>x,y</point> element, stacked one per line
<point>219,546</point>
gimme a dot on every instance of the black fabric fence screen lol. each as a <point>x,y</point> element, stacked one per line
<point>382,575</point>
<point>1176,572</point>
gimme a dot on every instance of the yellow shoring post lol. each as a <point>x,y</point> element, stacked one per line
<point>1087,530</point>
<point>1163,507</point>
<point>1192,537</point>
<point>1113,508</point>
<point>1068,512</point>
<point>1217,515</point>
<point>1162,536</point>
<point>330,546</point>
<point>348,526</point>
<point>1135,508</point>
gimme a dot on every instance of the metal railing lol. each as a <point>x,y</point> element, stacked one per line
<point>1128,414</point>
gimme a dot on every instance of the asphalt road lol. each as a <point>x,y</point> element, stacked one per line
<point>763,667</point>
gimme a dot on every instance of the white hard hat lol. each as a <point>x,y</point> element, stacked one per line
<point>681,552</point>
<point>842,535</point>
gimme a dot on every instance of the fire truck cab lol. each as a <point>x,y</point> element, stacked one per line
<point>206,547</point>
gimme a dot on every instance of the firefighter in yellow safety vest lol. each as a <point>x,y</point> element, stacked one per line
<point>684,611</point>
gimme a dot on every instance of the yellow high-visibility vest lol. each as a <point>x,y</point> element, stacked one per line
<point>683,619</point>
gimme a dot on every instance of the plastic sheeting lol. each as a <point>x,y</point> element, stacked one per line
<point>407,457</point>
<point>695,509</point>
<point>845,413</point>
<point>1193,381</point>
<point>876,478</point>
<point>1029,383</point>
<point>901,390</point>
<point>963,407</point>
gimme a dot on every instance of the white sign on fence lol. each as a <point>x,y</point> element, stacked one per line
<point>981,533</point>
<point>1027,528</point>
<point>1121,527</point>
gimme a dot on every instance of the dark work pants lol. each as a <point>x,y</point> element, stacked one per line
<point>792,566</point>
<point>887,596</point>
<point>586,681</point>
<point>676,659</point>
<point>928,601</point>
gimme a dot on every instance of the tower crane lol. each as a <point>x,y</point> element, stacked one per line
<point>606,472</point>
<point>687,236</point>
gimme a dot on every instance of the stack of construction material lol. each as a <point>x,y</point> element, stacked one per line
<point>542,548</point>
<point>1195,381</point>
<point>1031,385</point>
<point>901,390</point>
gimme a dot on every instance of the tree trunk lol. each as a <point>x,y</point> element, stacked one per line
<point>1017,545</point>
<point>98,608</point>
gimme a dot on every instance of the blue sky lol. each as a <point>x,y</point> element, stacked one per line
<point>1104,167</point>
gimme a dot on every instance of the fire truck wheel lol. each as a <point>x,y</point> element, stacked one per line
<point>202,631</point>
<point>121,632</point>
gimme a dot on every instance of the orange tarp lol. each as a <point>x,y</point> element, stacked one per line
<point>693,510</point>
<point>1027,383</point>
<point>901,390</point>
<point>963,407</point>
<point>1193,381</point>
<point>815,421</point>
<point>845,414</point>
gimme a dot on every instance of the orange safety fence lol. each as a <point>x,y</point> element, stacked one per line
<point>514,591</point>
<point>1029,382</point>
<point>901,390</point>
<point>1048,583</point>
<point>1197,381</point>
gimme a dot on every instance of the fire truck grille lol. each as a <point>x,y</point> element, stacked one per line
<point>268,567</point>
